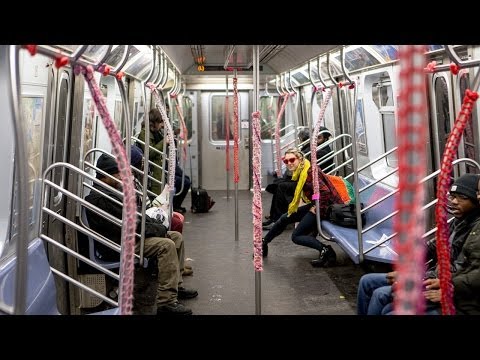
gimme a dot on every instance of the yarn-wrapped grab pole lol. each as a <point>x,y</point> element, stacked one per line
<point>236,169</point>
<point>313,142</point>
<point>129,215</point>
<point>443,186</point>
<point>277,135</point>
<point>169,133</point>
<point>410,224</point>
<point>257,191</point>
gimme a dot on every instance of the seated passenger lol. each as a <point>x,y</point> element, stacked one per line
<point>323,135</point>
<point>305,215</point>
<point>283,190</point>
<point>466,268</point>
<point>137,160</point>
<point>166,246</point>
<point>375,290</point>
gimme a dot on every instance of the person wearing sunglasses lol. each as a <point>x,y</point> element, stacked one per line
<point>305,214</point>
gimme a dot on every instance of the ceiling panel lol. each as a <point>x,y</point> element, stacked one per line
<point>283,59</point>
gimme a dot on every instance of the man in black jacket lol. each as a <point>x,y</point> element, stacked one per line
<point>166,246</point>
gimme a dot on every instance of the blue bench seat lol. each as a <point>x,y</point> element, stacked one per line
<point>347,238</point>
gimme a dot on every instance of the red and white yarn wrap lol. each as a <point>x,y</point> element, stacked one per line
<point>257,191</point>
<point>183,127</point>
<point>236,164</point>
<point>409,224</point>
<point>443,186</point>
<point>313,143</point>
<point>129,202</point>
<point>169,134</point>
<point>227,135</point>
<point>277,135</point>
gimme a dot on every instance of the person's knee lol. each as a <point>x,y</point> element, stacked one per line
<point>176,237</point>
<point>164,246</point>
<point>295,239</point>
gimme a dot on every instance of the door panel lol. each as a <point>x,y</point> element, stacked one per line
<point>212,141</point>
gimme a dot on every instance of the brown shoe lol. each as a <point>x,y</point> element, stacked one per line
<point>187,271</point>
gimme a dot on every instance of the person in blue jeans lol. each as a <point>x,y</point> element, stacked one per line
<point>374,293</point>
<point>305,215</point>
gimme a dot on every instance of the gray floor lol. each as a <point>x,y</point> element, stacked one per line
<point>223,270</point>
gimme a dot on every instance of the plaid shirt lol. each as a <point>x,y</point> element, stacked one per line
<point>328,194</point>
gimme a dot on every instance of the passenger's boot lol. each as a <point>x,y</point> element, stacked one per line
<point>326,258</point>
<point>264,248</point>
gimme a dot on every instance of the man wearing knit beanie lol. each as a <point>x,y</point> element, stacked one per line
<point>375,291</point>
<point>167,248</point>
<point>466,185</point>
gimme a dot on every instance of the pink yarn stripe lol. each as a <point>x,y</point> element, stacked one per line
<point>129,203</point>
<point>257,191</point>
<point>313,141</point>
<point>443,246</point>
<point>169,133</point>
<point>277,135</point>
<point>236,163</point>
<point>410,224</point>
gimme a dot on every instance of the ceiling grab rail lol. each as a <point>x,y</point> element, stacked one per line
<point>276,85</point>
<point>295,92</point>
<point>106,55</point>
<point>165,68</point>
<point>184,88</point>
<point>78,52</point>
<point>295,104</point>
<point>320,77</point>
<point>283,84</point>
<point>125,106</point>
<point>159,65</point>
<point>329,72</point>
<point>312,98</point>
<point>349,81</point>
<point>455,66</point>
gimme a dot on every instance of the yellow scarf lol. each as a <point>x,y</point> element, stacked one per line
<point>300,174</point>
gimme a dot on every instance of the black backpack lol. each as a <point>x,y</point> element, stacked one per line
<point>344,215</point>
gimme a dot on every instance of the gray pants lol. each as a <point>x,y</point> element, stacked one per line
<point>170,254</point>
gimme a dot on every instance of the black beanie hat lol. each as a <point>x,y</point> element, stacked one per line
<point>466,185</point>
<point>108,164</point>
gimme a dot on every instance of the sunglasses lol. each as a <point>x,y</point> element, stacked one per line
<point>291,160</point>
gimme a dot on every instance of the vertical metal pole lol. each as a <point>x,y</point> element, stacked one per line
<point>236,184</point>
<point>227,144</point>
<point>356,187</point>
<point>258,277</point>
<point>9,56</point>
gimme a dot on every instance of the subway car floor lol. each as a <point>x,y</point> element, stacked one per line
<point>223,270</point>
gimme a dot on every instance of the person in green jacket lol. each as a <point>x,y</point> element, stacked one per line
<point>156,140</point>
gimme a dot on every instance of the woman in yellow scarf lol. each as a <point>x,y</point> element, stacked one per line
<point>305,214</point>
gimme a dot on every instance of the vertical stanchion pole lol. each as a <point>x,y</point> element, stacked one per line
<point>227,137</point>
<point>257,190</point>
<point>236,174</point>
